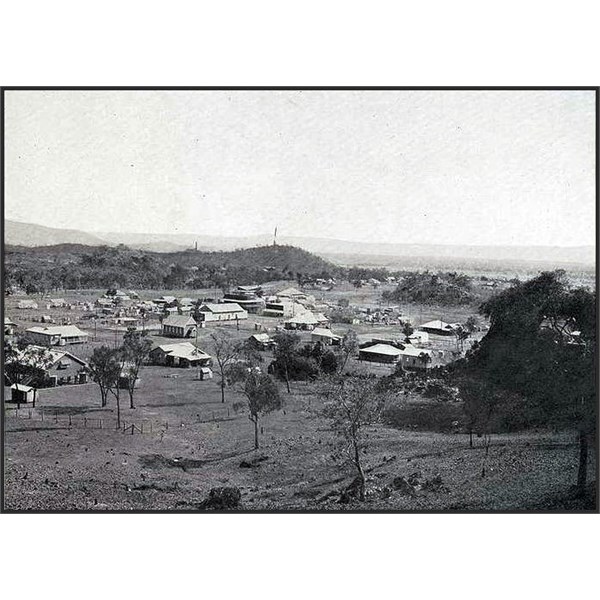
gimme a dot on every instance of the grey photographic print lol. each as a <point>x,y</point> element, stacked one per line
<point>299,300</point>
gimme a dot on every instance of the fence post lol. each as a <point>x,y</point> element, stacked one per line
<point>70,423</point>
<point>85,422</point>
<point>100,423</point>
<point>30,415</point>
<point>150,426</point>
<point>56,416</point>
<point>42,413</point>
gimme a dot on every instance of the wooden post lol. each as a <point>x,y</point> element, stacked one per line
<point>85,422</point>
<point>29,415</point>
<point>70,423</point>
<point>100,423</point>
<point>56,416</point>
<point>150,426</point>
<point>142,428</point>
<point>42,413</point>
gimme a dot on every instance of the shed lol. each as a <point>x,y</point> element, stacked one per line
<point>21,393</point>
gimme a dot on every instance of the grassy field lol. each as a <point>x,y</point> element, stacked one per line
<point>192,443</point>
<point>66,454</point>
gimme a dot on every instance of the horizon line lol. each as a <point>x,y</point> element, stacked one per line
<point>269,234</point>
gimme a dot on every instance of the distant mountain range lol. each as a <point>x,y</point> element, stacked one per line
<point>339,251</point>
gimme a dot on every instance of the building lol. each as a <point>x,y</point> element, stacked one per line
<point>59,335</point>
<point>179,326</point>
<point>278,308</point>
<point>183,354</point>
<point>227,311</point>
<point>26,304</point>
<point>438,328</point>
<point>325,336</point>
<point>380,353</point>
<point>418,337</point>
<point>20,393</point>
<point>305,321</point>
<point>408,356</point>
<point>261,341</point>
<point>248,300</point>
<point>59,367</point>
<point>57,303</point>
<point>291,293</point>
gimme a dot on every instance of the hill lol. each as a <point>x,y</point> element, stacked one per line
<point>348,253</point>
<point>74,266</point>
<point>27,234</point>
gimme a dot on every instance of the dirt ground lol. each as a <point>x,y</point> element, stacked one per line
<point>180,441</point>
<point>191,442</point>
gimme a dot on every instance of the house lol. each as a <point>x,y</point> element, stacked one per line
<point>276,308</point>
<point>305,321</point>
<point>179,326</point>
<point>58,335</point>
<point>325,336</point>
<point>261,341</point>
<point>418,337</point>
<point>183,354</point>
<point>59,367</point>
<point>408,356</point>
<point>165,301</point>
<point>380,353</point>
<point>57,303</point>
<point>105,302</point>
<point>20,393</point>
<point>438,327</point>
<point>414,358</point>
<point>25,304</point>
<point>226,311</point>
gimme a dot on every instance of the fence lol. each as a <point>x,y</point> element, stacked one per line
<point>54,417</point>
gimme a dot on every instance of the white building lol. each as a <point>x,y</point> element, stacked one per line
<point>227,311</point>
<point>59,335</point>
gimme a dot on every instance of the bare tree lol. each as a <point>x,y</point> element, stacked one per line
<point>349,347</point>
<point>354,404</point>
<point>225,351</point>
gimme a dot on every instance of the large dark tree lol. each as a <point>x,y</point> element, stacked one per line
<point>542,344</point>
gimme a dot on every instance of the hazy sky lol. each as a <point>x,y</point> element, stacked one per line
<point>479,168</point>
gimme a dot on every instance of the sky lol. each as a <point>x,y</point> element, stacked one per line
<point>432,167</point>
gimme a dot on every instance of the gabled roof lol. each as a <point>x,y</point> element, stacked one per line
<point>20,387</point>
<point>225,307</point>
<point>305,318</point>
<point>262,337</point>
<point>183,350</point>
<point>179,321</point>
<point>323,332</point>
<point>53,355</point>
<point>62,330</point>
<point>383,349</point>
<point>437,324</point>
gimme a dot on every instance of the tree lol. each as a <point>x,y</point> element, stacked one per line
<point>353,404</point>
<point>348,347</point>
<point>407,329</point>
<point>286,348</point>
<point>541,344</point>
<point>26,365</point>
<point>262,397</point>
<point>105,369</point>
<point>136,348</point>
<point>225,352</point>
